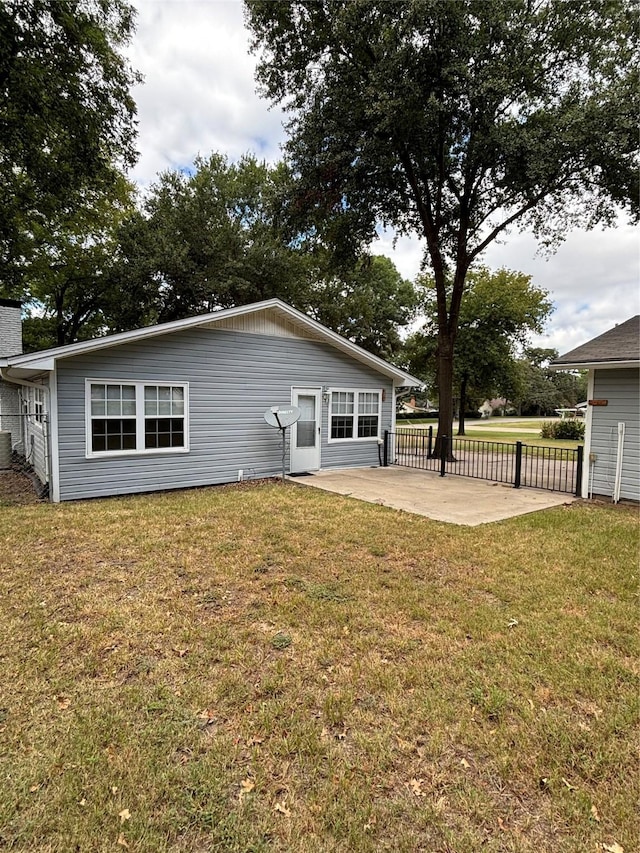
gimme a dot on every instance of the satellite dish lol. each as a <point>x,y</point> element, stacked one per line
<point>282,417</point>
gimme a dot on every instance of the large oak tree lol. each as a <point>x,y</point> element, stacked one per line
<point>455,121</point>
<point>224,235</point>
<point>66,119</point>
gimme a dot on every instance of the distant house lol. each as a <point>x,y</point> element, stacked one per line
<point>182,404</point>
<point>612,432</point>
<point>412,406</point>
<point>490,407</point>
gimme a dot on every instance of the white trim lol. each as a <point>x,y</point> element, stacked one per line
<point>596,365</point>
<point>588,426</point>
<point>140,450</point>
<point>45,360</point>
<point>35,417</point>
<point>619,461</point>
<point>356,414</point>
<point>54,485</point>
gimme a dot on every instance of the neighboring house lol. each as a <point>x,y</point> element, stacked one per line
<point>412,407</point>
<point>612,430</point>
<point>490,407</point>
<point>182,404</point>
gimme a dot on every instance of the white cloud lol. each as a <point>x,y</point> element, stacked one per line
<point>199,96</point>
<point>593,280</point>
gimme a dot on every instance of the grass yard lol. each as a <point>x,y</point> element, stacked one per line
<point>259,668</point>
<point>486,434</point>
<point>492,430</point>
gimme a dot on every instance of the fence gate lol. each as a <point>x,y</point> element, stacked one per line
<point>555,468</point>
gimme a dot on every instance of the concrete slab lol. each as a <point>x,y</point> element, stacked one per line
<point>458,500</point>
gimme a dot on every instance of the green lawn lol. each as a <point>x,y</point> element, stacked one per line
<point>269,668</point>
<point>494,430</point>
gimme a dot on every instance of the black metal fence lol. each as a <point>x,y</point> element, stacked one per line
<point>556,468</point>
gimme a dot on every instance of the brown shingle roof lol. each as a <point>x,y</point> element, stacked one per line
<point>622,343</point>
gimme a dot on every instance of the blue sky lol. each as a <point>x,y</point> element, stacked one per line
<point>199,96</point>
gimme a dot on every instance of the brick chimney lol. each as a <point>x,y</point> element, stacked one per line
<point>10,327</point>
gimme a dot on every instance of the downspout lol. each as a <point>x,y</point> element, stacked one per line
<point>619,458</point>
<point>47,435</point>
<point>589,461</point>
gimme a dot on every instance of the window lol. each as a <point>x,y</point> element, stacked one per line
<point>354,415</point>
<point>131,417</point>
<point>33,405</point>
<point>163,416</point>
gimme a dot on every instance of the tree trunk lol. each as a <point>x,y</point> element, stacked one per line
<point>445,392</point>
<point>463,403</point>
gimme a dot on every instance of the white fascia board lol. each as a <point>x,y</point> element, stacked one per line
<point>596,365</point>
<point>39,365</point>
<point>22,374</point>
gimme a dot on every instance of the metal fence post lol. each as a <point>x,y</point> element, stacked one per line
<point>444,446</point>
<point>385,450</point>
<point>579,461</point>
<point>430,443</point>
<point>518,473</point>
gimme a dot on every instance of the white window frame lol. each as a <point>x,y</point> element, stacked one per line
<point>139,417</point>
<point>356,414</point>
<point>34,404</point>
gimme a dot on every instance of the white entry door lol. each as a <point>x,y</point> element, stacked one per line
<point>305,434</point>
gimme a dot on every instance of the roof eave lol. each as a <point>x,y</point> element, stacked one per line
<point>45,360</point>
<point>594,365</point>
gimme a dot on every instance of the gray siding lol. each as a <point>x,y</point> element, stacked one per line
<point>35,448</point>
<point>233,377</point>
<point>622,389</point>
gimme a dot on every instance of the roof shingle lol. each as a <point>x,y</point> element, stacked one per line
<point>622,343</point>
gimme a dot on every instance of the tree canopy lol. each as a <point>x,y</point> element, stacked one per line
<point>66,117</point>
<point>499,311</point>
<point>69,283</point>
<point>217,237</point>
<point>537,390</point>
<point>454,121</point>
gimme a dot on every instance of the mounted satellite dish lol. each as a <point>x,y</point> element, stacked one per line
<point>281,418</point>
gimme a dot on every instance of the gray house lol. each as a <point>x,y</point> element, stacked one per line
<point>182,404</point>
<point>612,433</point>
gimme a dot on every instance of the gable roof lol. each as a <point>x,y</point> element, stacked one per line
<point>43,361</point>
<point>619,347</point>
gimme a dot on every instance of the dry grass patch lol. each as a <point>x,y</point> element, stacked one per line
<point>269,669</point>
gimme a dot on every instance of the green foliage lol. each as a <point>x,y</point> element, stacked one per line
<point>68,282</point>
<point>455,121</point>
<point>225,236</point>
<point>66,118</point>
<point>368,303</point>
<point>537,390</point>
<point>212,239</point>
<point>570,428</point>
<point>281,641</point>
<point>498,312</point>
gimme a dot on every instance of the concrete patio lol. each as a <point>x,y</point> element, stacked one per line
<point>458,500</point>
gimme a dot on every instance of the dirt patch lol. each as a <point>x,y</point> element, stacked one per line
<point>18,487</point>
